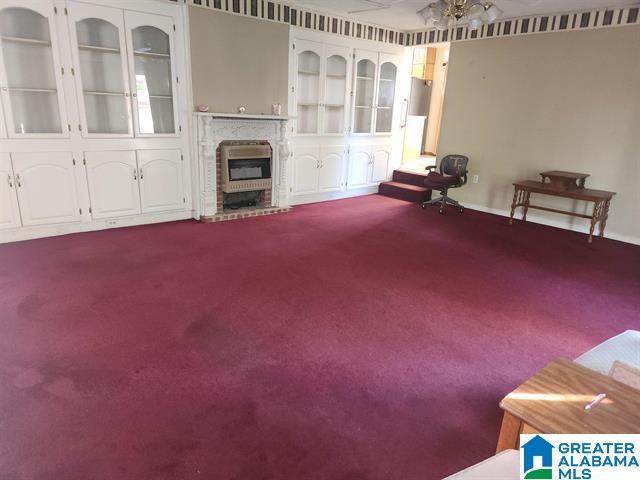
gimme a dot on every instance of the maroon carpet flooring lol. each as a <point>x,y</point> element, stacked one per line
<point>352,340</point>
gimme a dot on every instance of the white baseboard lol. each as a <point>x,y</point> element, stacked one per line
<point>323,197</point>
<point>532,217</point>
<point>30,233</point>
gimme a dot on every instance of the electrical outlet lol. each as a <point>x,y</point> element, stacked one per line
<point>476,178</point>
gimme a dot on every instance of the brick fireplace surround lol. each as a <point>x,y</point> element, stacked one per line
<point>214,129</point>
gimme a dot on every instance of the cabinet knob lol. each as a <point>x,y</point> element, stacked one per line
<point>141,175</point>
<point>18,182</point>
<point>135,174</point>
<point>9,181</point>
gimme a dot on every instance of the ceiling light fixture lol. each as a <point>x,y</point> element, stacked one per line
<point>475,12</point>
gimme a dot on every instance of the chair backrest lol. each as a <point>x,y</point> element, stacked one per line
<point>454,165</point>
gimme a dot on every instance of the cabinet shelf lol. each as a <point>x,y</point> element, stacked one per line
<point>33,90</point>
<point>305,72</point>
<point>165,97</point>
<point>31,41</point>
<point>333,105</point>
<point>112,94</point>
<point>387,80</point>
<point>95,48</point>
<point>151,54</point>
<point>368,79</point>
<point>336,76</point>
<point>303,104</point>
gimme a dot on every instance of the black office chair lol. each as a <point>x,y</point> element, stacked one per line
<point>453,174</point>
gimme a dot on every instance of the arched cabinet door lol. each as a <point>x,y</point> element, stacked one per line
<point>365,79</point>
<point>160,178</point>
<point>99,51</point>
<point>331,168</point>
<point>359,166</point>
<point>335,95</point>
<point>47,187</point>
<point>386,93</point>
<point>152,70</point>
<point>306,162</point>
<point>113,183</point>
<point>380,161</point>
<point>308,87</point>
<point>31,83</point>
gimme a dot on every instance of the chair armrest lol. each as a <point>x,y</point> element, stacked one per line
<point>431,168</point>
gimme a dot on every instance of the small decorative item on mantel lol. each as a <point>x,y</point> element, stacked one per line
<point>203,108</point>
<point>242,109</point>
<point>276,109</point>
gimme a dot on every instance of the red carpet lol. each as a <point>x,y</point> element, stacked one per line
<point>359,339</point>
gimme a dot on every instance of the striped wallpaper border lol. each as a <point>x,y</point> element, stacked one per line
<point>275,11</point>
<point>560,22</point>
<point>303,18</point>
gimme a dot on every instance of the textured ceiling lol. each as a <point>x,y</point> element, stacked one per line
<point>401,14</point>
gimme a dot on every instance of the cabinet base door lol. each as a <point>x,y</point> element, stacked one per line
<point>9,211</point>
<point>306,161</point>
<point>359,167</point>
<point>160,177</point>
<point>113,183</point>
<point>46,185</point>
<point>381,160</point>
<point>331,169</point>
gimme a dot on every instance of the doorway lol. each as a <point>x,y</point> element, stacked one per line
<point>424,114</point>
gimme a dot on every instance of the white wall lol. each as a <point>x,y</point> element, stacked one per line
<point>565,101</point>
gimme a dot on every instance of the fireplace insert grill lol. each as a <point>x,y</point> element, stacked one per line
<point>246,168</point>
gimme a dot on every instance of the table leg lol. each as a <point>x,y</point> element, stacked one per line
<point>509,433</point>
<point>516,194</point>
<point>605,217</point>
<point>527,196</point>
<point>594,219</point>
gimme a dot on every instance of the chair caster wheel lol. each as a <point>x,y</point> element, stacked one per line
<point>461,209</point>
<point>424,206</point>
<point>441,212</point>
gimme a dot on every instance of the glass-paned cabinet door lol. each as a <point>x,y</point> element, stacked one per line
<point>30,73</point>
<point>386,97</point>
<point>365,83</point>
<point>99,50</point>
<point>335,90</point>
<point>152,71</point>
<point>308,87</point>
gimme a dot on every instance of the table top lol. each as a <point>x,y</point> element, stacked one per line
<point>561,174</point>
<point>553,401</point>
<point>578,193</point>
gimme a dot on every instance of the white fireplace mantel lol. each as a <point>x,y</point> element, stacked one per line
<point>214,128</point>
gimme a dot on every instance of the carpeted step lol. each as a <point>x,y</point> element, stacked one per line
<point>404,191</point>
<point>411,178</point>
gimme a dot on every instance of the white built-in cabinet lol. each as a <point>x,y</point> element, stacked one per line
<point>129,183</point>
<point>91,115</point>
<point>47,187</point>
<point>369,165</point>
<point>323,74</point>
<point>31,71</point>
<point>344,99</point>
<point>318,169</point>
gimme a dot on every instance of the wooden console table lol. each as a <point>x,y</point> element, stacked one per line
<point>600,198</point>
<point>554,401</point>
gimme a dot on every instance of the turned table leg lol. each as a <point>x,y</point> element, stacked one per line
<point>516,194</point>
<point>527,196</point>
<point>595,218</point>
<point>605,217</point>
